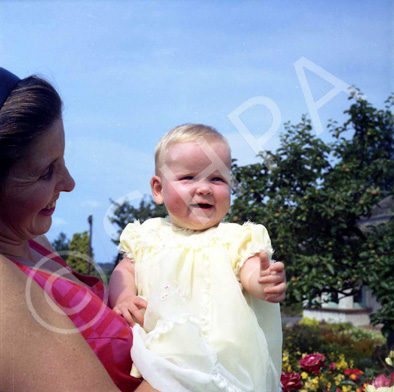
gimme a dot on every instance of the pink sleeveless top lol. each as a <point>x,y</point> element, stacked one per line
<point>107,333</point>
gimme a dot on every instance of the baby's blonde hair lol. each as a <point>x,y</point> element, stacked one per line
<point>187,133</point>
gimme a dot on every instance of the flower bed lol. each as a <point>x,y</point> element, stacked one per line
<point>343,359</point>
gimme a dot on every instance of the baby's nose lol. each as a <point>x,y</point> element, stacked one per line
<point>204,188</point>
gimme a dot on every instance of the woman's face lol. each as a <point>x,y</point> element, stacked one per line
<point>34,183</point>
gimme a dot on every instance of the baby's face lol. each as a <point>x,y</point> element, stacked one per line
<point>195,184</point>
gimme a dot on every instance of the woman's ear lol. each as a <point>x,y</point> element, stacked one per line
<point>157,189</point>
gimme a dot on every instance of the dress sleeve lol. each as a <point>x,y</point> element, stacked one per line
<point>130,240</point>
<point>250,240</point>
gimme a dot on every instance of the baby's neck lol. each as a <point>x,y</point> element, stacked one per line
<point>196,230</point>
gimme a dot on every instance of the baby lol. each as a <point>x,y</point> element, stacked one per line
<point>209,324</point>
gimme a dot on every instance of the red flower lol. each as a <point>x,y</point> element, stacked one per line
<point>381,381</point>
<point>312,362</point>
<point>290,381</point>
<point>392,378</point>
<point>353,374</point>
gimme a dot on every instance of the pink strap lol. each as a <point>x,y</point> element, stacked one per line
<point>87,279</point>
<point>46,252</point>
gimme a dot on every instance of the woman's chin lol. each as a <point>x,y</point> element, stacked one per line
<point>44,225</point>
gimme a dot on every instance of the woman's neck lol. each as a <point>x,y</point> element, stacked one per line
<point>18,250</point>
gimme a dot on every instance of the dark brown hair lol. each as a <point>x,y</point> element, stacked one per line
<point>29,111</point>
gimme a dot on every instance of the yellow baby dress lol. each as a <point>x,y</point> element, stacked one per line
<point>202,332</point>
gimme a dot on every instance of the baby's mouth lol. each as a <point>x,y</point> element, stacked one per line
<point>203,206</point>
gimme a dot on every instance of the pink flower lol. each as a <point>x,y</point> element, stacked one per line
<point>290,381</point>
<point>392,378</point>
<point>381,381</point>
<point>332,366</point>
<point>312,362</point>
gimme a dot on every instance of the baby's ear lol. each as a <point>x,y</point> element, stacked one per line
<point>157,189</point>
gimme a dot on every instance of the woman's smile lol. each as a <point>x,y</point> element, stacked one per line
<point>49,209</point>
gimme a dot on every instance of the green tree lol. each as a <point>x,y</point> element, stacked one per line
<point>378,251</point>
<point>311,195</point>
<point>126,213</point>
<point>79,253</point>
<point>62,244</point>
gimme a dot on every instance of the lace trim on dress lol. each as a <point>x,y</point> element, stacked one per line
<point>165,326</point>
<point>191,239</point>
<point>127,254</point>
<point>253,249</point>
<point>176,228</point>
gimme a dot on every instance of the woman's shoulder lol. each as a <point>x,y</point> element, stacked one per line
<point>13,284</point>
<point>10,274</point>
<point>29,325</point>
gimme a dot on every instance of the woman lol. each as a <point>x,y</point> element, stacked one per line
<point>42,302</point>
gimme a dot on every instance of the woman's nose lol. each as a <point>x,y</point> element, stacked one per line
<point>67,183</point>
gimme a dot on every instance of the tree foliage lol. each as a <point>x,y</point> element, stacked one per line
<point>62,245</point>
<point>126,213</point>
<point>311,196</point>
<point>79,253</point>
<point>378,251</point>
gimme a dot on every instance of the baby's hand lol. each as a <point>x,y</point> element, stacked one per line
<point>131,310</point>
<point>273,277</point>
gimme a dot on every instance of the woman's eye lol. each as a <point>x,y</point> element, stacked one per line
<point>48,174</point>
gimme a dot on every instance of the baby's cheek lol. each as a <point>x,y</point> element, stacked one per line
<point>176,198</point>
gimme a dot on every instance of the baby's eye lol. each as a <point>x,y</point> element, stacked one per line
<point>186,178</point>
<point>218,179</point>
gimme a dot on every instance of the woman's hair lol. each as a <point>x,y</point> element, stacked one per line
<point>187,133</point>
<point>30,109</point>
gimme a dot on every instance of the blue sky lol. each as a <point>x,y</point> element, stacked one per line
<point>129,71</point>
